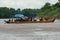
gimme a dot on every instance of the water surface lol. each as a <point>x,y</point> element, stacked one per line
<point>34,31</point>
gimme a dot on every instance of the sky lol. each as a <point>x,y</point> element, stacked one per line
<point>22,4</point>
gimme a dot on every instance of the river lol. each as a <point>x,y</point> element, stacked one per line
<point>34,31</point>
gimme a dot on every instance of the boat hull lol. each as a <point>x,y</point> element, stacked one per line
<point>21,22</point>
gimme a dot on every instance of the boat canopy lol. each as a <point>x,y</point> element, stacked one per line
<point>19,15</point>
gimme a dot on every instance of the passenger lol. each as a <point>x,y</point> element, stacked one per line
<point>46,18</point>
<point>41,19</point>
<point>9,19</point>
<point>30,18</point>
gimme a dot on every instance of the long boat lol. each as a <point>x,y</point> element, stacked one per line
<point>21,22</point>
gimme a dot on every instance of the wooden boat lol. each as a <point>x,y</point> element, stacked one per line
<point>41,21</point>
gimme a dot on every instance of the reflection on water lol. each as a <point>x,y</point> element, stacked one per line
<point>34,31</point>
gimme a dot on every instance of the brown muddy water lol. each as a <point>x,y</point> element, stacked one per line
<point>33,31</point>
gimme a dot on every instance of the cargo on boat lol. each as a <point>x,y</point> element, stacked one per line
<point>24,19</point>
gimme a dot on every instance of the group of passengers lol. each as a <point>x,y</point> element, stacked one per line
<point>30,19</point>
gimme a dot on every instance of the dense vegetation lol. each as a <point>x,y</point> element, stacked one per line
<point>46,10</point>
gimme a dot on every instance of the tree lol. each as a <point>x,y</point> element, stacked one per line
<point>59,0</point>
<point>18,10</point>
<point>47,5</point>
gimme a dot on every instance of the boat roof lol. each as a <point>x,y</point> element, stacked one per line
<point>19,15</point>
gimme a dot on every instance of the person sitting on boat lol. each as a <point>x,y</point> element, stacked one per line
<point>25,18</point>
<point>9,19</point>
<point>41,19</point>
<point>46,17</point>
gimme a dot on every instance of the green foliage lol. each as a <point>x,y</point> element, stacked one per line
<point>46,10</point>
<point>50,10</point>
